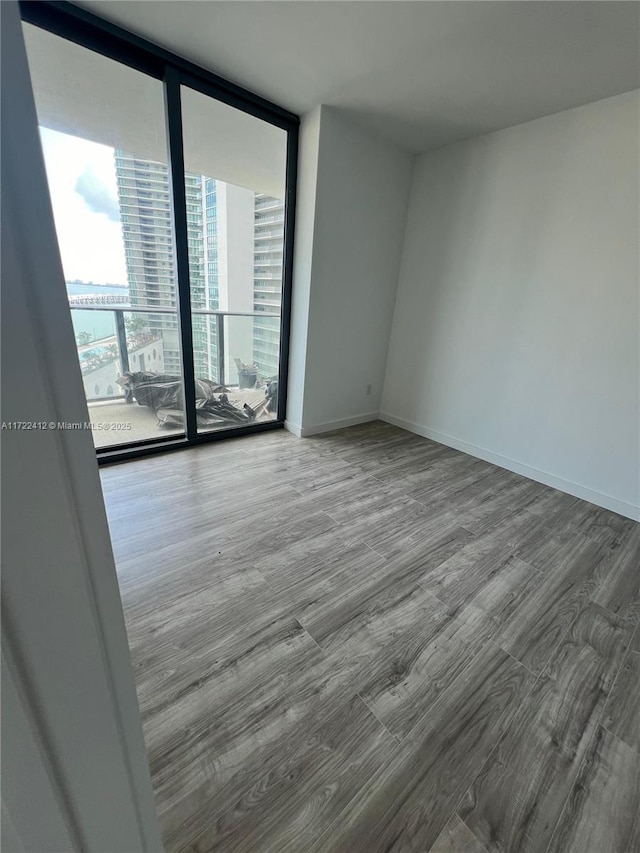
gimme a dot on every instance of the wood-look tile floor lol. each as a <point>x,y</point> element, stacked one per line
<point>367,641</point>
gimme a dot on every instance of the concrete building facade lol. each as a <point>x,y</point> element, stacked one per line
<point>235,239</point>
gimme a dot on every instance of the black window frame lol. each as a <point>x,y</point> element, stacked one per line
<point>93,32</point>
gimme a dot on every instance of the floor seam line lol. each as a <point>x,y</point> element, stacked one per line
<point>373,713</point>
<point>371,548</point>
<point>480,842</point>
<point>623,658</point>
<point>520,663</point>
<point>311,637</point>
<point>499,741</point>
<point>327,513</point>
<point>617,737</point>
<point>568,797</point>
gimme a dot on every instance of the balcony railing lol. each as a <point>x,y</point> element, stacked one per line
<point>125,345</point>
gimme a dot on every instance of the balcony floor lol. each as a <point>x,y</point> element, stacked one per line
<point>116,422</point>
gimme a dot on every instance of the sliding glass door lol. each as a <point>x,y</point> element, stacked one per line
<point>172,194</point>
<point>234,178</point>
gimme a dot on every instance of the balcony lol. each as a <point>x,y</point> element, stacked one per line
<point>125,351</point>
<point>267,204</point>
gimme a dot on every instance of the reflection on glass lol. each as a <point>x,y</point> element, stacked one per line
<point>234,187</point>
<point>102,128</point>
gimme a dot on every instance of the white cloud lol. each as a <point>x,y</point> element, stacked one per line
<point>90,242</point>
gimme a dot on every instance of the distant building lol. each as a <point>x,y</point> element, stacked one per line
<point>235,242</point>
<point>267,281</point>
<point>101,369</point>
<point>145,214</point>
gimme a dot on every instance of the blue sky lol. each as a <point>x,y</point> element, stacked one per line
<point>82,182</point>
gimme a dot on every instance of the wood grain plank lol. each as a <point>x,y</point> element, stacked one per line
<point>515,802</point>
<point>314,561</point>
<point>223,549</point>
<point>209,736</point>
<point>622,714</point>
<point>421,665</point>
<point>492,506</point>
<point>603,811</point>
<point>568,515</point>
<point>175,631</point>
<point>213,517</point>
<point>444,476</point>
<point>341,612</point>
<point>456,837</point>
<point>537,626</point>
<point>381,654</point>
<point>619,588</point>
<point>408,801</point>
<point>484,573</point>
<point>424,539</point>
<point>383,520</point>
<point>289,807</point>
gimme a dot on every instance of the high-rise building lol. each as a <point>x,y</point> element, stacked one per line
<point>145,213</point>
<point>267,281</point>
<point>225,226</point>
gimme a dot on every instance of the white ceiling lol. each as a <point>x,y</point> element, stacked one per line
<point>422,74</point>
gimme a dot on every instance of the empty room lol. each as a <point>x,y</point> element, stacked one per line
<point>320,426</point>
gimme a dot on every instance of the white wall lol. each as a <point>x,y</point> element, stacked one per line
<point>516,328</point>
<point>308,148</point>
<point>28,774</point>
<point>69,712</point>
<point>359,210</point>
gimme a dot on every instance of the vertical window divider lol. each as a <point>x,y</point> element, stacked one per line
<point>291,182</point>
<point>173,118</point>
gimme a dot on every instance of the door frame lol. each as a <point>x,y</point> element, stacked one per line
<point>76,768</point>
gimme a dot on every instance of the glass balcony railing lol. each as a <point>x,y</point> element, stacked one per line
<point>127,353</point>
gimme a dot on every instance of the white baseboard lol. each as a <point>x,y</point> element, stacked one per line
<point>544,477</point>
<point>329,426</point>
<point>296,429</point>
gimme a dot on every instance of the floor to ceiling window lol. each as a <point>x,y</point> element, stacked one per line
<point>235,187</point>
<point>172,194</point>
